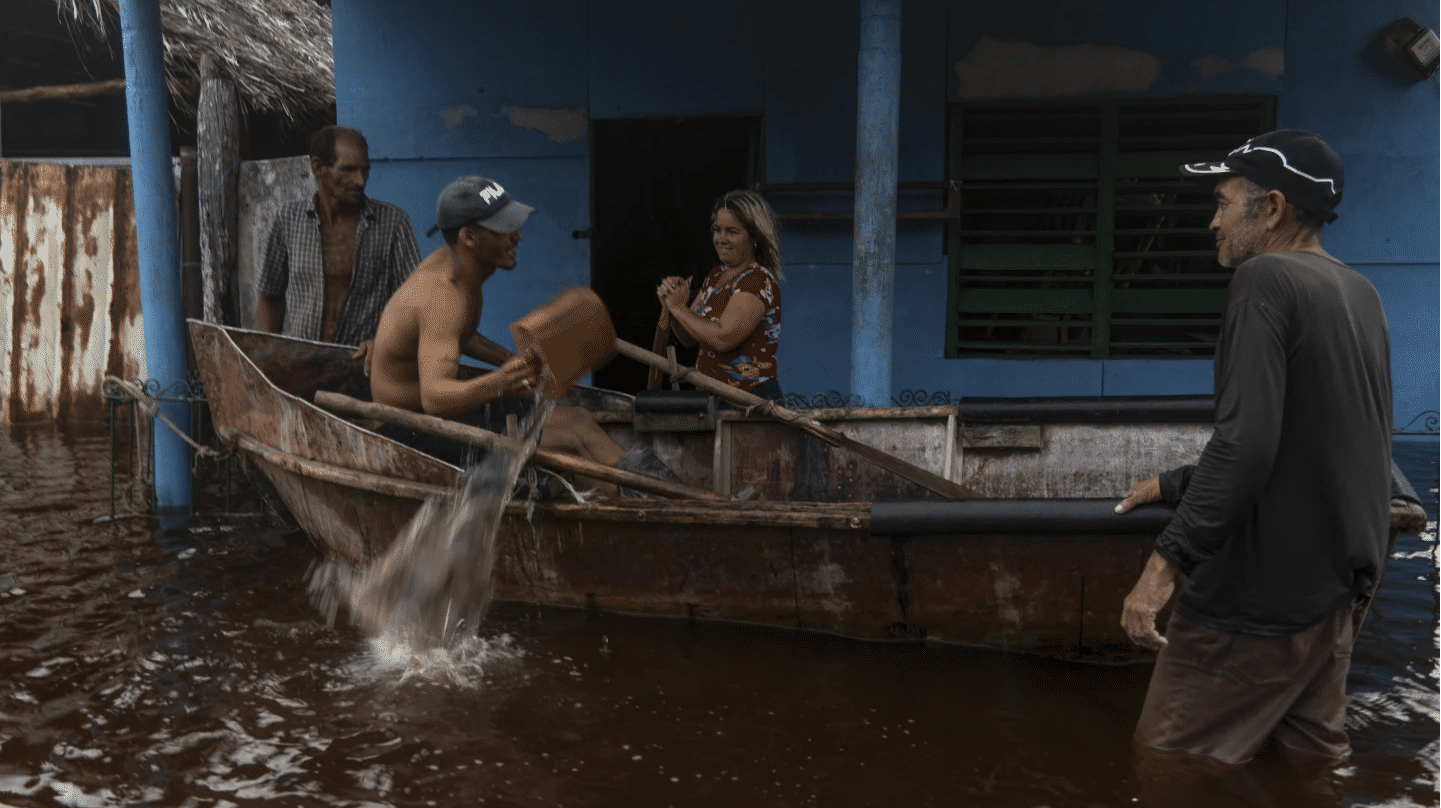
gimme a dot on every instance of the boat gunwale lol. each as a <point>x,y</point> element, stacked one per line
<point>309,405</point>
<point>839,515</point>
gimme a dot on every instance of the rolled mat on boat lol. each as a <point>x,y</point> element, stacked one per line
<point>1050,516</point>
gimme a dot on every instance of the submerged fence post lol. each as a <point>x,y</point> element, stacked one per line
<point>157,238</point>
<point>877,135</point>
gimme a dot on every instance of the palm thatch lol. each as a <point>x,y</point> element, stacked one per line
<point>277,52</point>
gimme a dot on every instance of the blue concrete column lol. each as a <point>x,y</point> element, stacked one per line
<point>878,115</point>
<point>157,239</point>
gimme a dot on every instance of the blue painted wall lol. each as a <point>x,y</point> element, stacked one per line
<point>443,88</point>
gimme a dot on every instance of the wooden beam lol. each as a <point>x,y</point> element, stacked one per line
<point>217,133</point>
<point>431,425</point>
<point>54,92</point>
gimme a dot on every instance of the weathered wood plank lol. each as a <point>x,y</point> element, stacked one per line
<point>1001,436</point>
<point>127,321</point>
<point>90,222</point>
<point>41,274</point>
<point>14,190</point>
<point>359,480</point>
<point>217,134</point>
<point>808,424</point>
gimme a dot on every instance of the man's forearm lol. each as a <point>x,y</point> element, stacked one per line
<point>478,347</point>
<point>451,397</point>
<point>270,314</point>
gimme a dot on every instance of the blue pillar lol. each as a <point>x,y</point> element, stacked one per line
<point>878,114</point>
<point>157,239</point>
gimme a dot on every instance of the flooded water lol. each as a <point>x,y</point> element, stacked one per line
<point>184,665</point>
<point>422,602</point>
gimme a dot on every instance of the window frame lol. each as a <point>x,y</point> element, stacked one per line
<point>1088,284</point>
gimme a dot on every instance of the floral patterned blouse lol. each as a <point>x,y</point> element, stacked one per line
<point>753,362</point>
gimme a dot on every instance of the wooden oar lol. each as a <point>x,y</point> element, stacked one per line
<point>662,337</point>
<point>927,479</point>
<point>431,425</point>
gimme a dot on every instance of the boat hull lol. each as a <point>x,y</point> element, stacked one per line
<point>815,565</point>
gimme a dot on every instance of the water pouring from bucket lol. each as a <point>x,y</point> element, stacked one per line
<point>429,593</point>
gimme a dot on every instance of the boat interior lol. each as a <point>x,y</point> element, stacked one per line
<point>1002,449</point>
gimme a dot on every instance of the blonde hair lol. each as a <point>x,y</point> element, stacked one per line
<point>756,216</point>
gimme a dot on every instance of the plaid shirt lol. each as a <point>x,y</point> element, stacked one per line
<point>385,254</point>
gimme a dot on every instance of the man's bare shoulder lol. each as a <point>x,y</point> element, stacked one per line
<point>431,293</point>
<point>424,284</point>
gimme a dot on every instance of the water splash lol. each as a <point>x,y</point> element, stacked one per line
<point>463,664</point>
<point>423,601</point>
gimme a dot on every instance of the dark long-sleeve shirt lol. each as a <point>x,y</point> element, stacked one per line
<point>1285,517</point>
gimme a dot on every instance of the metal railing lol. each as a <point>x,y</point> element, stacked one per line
<point>139,398</point>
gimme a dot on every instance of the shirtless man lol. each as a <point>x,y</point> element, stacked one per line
<point>332,261</point>
<point>432,319</point>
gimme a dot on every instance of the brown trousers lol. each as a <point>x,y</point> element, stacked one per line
<point>1220,696</point>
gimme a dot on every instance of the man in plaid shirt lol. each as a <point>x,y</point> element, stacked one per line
<point>334,260</point>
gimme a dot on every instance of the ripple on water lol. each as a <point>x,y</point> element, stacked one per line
<point>220,686</point>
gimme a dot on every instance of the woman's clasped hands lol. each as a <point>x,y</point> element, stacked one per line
<point>673,291</point>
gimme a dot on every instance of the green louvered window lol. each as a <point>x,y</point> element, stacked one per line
<point>1077,237</point>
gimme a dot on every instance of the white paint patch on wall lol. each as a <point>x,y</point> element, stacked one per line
<point>994,69</point>
<point>1269,61</point>
<point>457,115</point>
<point>39,382</point>
<point>1266,61</point>
<point>560,125</point>
<point>94,260</point>
<point>10,263</point>
<point>69,290</point>
<point>1211,65</point>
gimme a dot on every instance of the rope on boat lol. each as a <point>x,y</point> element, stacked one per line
<point>150,409</point>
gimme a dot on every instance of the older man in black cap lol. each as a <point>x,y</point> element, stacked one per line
<point>433,318</point>
<point>1281,527</point>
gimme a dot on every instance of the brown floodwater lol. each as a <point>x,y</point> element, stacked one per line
<point>182,664</point>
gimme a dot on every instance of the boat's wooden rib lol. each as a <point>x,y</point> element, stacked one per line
<point>324,472</point>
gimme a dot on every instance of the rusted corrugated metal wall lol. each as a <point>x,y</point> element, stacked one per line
<point>69,289</point>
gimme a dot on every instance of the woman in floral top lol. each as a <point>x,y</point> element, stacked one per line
<point>736,316</point>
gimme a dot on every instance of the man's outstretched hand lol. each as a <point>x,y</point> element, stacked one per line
<point>515,377</point>
<point>1141,493</point>
<point>1150,595</point>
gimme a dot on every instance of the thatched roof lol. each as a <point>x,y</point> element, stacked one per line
<point>277,52</point>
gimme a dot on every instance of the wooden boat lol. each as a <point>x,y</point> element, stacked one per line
<point>830,543</point>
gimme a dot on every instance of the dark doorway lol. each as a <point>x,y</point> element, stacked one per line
<point>652,186</point>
